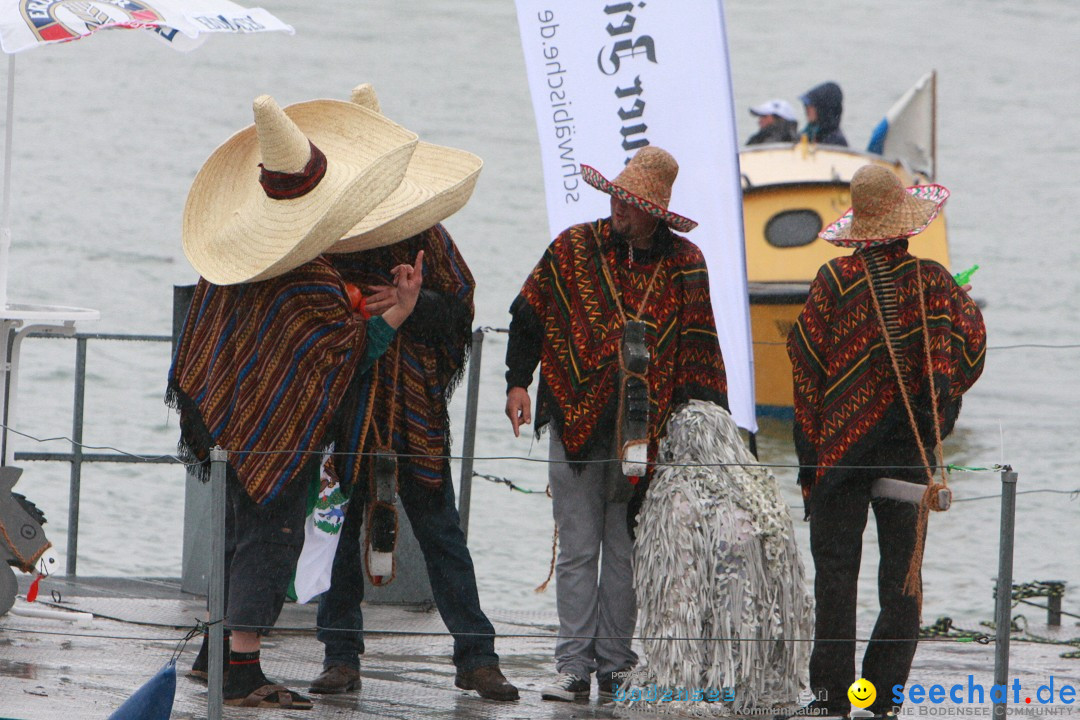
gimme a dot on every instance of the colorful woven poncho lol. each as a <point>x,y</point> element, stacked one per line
<point>260,369</point>
<point>429,357</point>
<point>848,409</point>
<point>582,330</point>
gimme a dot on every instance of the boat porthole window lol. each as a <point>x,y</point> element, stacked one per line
<point>793,228</point>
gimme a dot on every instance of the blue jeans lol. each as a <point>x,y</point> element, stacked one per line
<point>437,528</point>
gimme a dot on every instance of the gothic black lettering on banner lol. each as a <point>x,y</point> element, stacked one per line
<point>625,51</point>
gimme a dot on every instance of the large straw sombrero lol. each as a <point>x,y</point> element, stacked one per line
<point>437,183</point>
<point>324,165</point>
<point>645,183</point>
<point>883,210</point>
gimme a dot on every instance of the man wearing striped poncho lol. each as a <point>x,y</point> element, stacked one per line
<point>885,343</point>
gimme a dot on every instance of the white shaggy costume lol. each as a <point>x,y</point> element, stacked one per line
<point>715,557</point>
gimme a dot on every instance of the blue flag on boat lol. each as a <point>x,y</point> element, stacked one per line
<point>154,700</point>
<point>906,133</point>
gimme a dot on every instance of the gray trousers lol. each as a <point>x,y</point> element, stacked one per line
<point>594,577</point>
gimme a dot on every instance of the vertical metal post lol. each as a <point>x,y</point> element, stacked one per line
<point>1004,585</point>
<point>468,445</point>
<point>7,328</point>
<point>75,483</point>
<point>181,303</point>
<point>216,599</point>
<point>1053,609</point>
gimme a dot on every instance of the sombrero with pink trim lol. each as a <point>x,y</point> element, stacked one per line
<point>645,183</point>
<point>883,210</point>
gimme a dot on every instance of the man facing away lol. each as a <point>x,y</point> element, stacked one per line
<point>882,353</point>
<point>594,280</point>
<point>401,407</point>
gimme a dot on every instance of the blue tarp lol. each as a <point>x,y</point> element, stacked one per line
<point>154,700</point>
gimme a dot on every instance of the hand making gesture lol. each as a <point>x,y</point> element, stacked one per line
<point>396,302</point>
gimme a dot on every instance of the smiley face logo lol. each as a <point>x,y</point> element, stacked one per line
<point>862,693</point>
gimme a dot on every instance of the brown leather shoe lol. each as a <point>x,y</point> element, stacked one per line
<point>488,681</point>
<point>335,680</point>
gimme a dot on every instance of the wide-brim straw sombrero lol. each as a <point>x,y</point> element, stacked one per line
<point>645,183</point>
<point>438,183</point>
<point>234,232</point>
<point>883,210</point>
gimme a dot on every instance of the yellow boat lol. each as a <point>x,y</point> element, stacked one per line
<point>790,193</point>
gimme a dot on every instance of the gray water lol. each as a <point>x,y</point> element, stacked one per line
<point>110,131</point>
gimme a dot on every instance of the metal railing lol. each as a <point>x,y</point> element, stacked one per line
<point>77,456</point>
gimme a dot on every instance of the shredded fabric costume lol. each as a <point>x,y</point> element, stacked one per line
<point>715,557</point>
<point>426,361</point>
<point>580,329</point>
<point>848,410</point>
<point>259,370</point>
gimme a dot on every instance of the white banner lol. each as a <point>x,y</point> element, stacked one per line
<point>26,24</point>
<point>608,78</point>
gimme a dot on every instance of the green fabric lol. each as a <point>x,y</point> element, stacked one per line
<point>378,340</point>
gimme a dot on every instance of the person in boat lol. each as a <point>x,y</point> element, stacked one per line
<point>776,123</point>
<point>271,341</point>
<point>595,282</point>
<point>401,410</point>
<point>882,353</point>
<point>824,104</point>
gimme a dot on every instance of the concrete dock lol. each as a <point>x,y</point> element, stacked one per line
<point>57,669</point>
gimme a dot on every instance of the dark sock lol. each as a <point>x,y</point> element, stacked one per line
<point>202,660</point>
<point>245,674</point>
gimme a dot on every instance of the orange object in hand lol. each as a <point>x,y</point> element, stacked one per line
<point>356,299</point>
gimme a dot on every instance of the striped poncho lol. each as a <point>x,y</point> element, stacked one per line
<point>848,408</point>
<point>580,331</point>
<point>414,380</point>
<point>260,369</point>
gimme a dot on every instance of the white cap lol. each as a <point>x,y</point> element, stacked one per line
<point>780,108</point>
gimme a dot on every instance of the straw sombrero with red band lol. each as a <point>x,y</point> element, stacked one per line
<point>645,183</point>
<point>280,192</point>
<point>883,210</point>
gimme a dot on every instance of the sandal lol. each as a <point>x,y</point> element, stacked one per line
<point>272,696</point>
<point>202,675</point>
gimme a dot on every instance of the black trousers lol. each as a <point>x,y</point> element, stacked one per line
<point>836,530</point>
<point>262,545</point>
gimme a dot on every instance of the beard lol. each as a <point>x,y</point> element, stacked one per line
<point>626,237</point>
